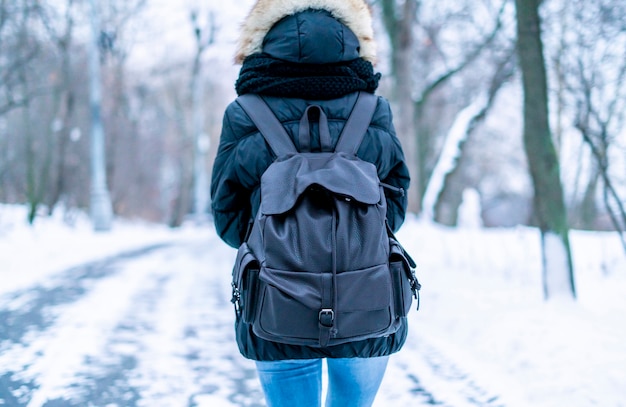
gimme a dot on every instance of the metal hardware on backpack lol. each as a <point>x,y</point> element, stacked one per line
<point>320,266</point>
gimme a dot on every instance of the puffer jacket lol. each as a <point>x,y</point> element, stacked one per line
<point>243,156</point>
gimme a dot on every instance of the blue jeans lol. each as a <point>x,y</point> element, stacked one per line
<point>352,382</point>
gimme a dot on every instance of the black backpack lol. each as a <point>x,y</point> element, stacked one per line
<point>320,266</point>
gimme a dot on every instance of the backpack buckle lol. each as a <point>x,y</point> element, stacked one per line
<point>326,317</point>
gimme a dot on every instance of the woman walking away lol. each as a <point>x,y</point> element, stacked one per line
<point>295,54</point>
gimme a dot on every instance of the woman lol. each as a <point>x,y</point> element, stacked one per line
<point>293,53</point>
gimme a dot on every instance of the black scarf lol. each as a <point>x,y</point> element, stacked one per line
<point>264,75</point>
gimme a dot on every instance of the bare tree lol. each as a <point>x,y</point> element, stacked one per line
<point>400,26</point>
<point>599,145</point>
<point>37,157</point>
<point>18,50</point>
<point>60,29</point>
<point>131,165</point>
<point>444,193</point>
<point>204,37</point>
<point>146,113</point>
<point>180,147</point>
<point>415,88</point>
<point>558,273</point>
<point>593,68</point>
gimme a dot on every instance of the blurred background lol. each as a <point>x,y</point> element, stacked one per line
<point>163,74</point>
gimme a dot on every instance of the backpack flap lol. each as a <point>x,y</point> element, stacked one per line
<point>285,181</point>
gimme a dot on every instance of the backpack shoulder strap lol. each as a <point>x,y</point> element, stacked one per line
<point>356,126</point>
<point>270,127</point>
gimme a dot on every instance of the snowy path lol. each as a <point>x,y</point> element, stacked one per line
<point>153,327</point>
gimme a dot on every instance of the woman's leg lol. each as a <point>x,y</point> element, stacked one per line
<point>291,383</point>
<point>354,382</point>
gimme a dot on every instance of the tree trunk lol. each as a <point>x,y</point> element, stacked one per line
<point>549,206</point>
<point>101,210</point>
<point>31,178</point>
<point>66,109</point>
<point>204,37</point>
<point>449,177</point>
<point>401,37</point>
<point>588,210</point>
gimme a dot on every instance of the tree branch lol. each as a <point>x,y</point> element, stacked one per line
<point>609,189</point>
<point>430,88</point>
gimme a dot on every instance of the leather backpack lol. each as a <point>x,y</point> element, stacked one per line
<point>320,266</point>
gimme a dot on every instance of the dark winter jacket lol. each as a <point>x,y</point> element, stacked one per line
<point>243,156</point>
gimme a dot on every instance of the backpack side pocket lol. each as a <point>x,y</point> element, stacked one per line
<point>405,283</point>
<point>250,293</point>
<point>403,296</point>
<point>245,282</point>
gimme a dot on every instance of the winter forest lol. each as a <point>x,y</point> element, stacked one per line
<point>450,68</point>
<point>114,286</point>
<point>519,105</point>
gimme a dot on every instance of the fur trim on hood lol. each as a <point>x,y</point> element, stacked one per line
<point>355,14</point>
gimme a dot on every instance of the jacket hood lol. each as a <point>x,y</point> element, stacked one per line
<point>311,37</point>
<point>354,14</point>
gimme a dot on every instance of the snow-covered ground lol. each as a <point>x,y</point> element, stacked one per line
<point>28,254</point>
<point>483,301</point>
<point>483,321</point>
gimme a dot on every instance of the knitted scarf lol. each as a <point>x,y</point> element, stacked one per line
<point>264,75</point>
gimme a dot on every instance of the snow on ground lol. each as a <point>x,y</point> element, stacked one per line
<point>483,302</point>
<point>52,244</point>
<point>482,307</point>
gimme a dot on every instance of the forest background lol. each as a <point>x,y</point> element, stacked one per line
<point>469,81</point>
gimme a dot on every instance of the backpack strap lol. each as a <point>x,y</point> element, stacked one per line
<point>304,132</point>
<point>357,124</point>
<point>270,127</point>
